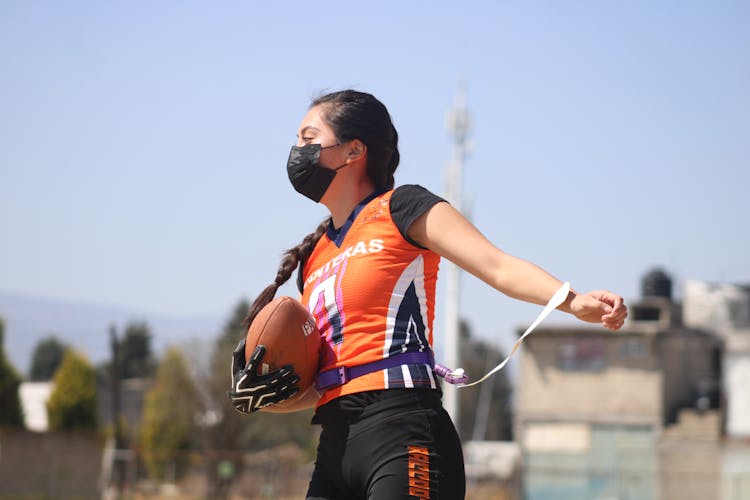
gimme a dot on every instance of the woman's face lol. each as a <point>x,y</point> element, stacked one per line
<point>351,154</point>
<point>315,130</point>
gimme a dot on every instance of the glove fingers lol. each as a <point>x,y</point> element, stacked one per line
<point>282,375</point>
<point>287,392</point>
<point>282,395</point>
<point>286,372</point>
<point>255,358</point>
<point>240,346</point>
<point>238,358</point>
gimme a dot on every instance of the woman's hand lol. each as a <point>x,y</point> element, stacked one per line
<point>250,391</point>
<point>600,306</point>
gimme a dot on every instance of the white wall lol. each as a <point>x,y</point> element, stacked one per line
<point>737,392</point>
<point>34,396</point>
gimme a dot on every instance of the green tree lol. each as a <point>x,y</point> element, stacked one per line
<point>168,416</point>
<point>135,351</point>
<point>46,359</point>
<point>11,413</point>
<point>72,404</point>
<point>233,431</point>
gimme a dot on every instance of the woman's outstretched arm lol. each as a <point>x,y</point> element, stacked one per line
<point>445,231</point>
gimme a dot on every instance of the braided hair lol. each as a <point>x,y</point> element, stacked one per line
<point>351,115</point>
<point>292,258</point>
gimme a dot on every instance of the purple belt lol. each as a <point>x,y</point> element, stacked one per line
<point>339,376</point>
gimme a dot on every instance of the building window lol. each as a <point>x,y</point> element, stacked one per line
<point>633,348</point>
<point>582,355</point>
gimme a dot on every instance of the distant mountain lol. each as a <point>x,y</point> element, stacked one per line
<point>86,327</point>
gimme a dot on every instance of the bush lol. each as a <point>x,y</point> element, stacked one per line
<point>168,416</point>
<point>72,404</point>
<point>11,413</point>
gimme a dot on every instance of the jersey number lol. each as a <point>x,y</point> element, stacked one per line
<point>323,305</point>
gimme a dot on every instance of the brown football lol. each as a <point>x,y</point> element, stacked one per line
<point>291,337</point>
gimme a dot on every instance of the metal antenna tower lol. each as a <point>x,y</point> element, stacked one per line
<point>458,123</point>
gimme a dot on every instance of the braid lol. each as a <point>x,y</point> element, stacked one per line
<point>289,262</point>
<point>394,160</point>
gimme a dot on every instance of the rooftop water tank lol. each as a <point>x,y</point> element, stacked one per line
<point>656,283</point>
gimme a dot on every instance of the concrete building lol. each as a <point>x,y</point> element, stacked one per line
<point>725,310</point>
<point>628,415</point>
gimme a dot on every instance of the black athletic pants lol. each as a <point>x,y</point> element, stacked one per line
<point>401,446</point>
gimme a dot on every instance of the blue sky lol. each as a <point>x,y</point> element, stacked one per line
<point>143,144</point>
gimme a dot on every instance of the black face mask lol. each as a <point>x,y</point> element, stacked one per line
<point>306,175</point>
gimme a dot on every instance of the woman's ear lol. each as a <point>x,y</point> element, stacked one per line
<point>357,150</point>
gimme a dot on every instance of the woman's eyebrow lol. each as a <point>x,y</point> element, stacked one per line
<point>308,128</point>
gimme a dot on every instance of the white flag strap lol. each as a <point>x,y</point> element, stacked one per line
<point>558,298</point>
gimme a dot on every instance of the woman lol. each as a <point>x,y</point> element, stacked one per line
<point>368,276</point>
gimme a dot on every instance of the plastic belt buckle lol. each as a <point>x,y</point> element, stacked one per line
<point>343,376</point>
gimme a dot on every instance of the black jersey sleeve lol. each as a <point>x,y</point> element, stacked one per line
<point>408,202</point>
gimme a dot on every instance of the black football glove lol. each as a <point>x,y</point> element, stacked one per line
<point>250,392</point>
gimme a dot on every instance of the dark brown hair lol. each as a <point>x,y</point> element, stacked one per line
<point>358,115</point>
<point>351,115</point>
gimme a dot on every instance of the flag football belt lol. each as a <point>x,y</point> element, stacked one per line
<point>337,377</point>
<point>340,376</point>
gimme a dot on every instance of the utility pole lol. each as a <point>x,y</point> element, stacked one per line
<point>458,123</point>
<point>116,374</point>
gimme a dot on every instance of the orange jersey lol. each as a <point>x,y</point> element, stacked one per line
<point>373,296</point>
